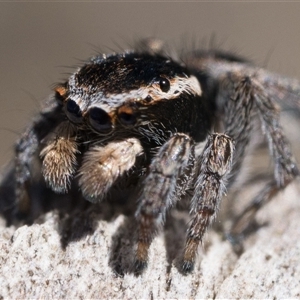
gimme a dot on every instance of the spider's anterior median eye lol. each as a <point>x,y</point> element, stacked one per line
<point>164,84</point>
<point>73,111</point>
<point>100,120</point>
<point>148,98</point>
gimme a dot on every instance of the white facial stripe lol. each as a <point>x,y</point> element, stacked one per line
<point>189,85</point>
<point>77,94</point>
<point>108,102</point>
<point>178,85</point>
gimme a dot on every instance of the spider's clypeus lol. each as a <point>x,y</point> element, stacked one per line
<point>173,128</point>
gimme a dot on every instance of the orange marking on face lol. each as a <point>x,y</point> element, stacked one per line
<point>125,109</point>
<point>61,90</point>
<point>113,117</point>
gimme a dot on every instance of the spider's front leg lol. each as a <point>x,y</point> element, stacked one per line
<point>27,153</point>
<point>218,163</point>
<point>214,164</point>
<point>173,164</point>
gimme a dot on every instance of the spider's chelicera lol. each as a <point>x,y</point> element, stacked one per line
<point>179,129</point>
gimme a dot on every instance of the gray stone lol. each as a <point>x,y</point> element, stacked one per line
<point>35,264</point>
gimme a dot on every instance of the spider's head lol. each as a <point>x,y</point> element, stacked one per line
<point>133,92</point>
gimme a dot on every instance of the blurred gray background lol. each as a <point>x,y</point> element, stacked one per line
<point>40,41</point>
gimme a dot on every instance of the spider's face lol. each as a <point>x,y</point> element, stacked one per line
<point>131,92</point>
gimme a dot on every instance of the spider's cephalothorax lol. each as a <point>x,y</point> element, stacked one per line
<point>118,108</point>
<point>141,93</point>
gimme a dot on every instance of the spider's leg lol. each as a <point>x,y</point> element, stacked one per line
<point>285,166</point>
<point>215,163</point>
<point>27,152</point>
<point>284,162</point>
<point>102,165</point>
<point>238,110</point>
<point>173,162</point>
<point>284,90</point>
<point>236,106</point>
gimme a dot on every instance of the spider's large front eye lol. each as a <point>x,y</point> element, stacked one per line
<point>100,120</point>
<point>164,84</point>
<point>73,111</point>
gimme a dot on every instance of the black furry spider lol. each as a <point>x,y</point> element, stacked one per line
<point>173,129</point>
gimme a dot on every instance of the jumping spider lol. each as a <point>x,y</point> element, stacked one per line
<point>175,128</point>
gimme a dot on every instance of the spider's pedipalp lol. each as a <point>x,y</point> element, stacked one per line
<point>59,158</point>
<point>102,165</point>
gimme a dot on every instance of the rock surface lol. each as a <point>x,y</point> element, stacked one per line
<point>35,263</point>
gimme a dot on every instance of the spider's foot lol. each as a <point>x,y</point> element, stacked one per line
<point>140,266</point>
<point>237,235</point>
<point>236,241</point>
<point>118,271</point>
<point>22,210</point>
<point>187,266</point>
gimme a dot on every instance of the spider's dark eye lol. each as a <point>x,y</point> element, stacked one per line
<point>127,119</point>
<point>164,84</point>
<point>126,116</point>
<point>148,98</point>
<point>73,111</point>
<point>100,120</point>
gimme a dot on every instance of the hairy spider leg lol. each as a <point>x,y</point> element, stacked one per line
<point>214,164</point>
<point>285,167</point>
<point>27,151</point>
<point>220,162</point>
<point>174,162</point>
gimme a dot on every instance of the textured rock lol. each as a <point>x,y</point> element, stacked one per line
<point>35,263</point>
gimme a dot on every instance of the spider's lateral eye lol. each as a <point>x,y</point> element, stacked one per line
<point>126,116</point>
<point>100,120</point>
<point>73,111</point>
<point>164,84</point>
<point>127,119</point>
